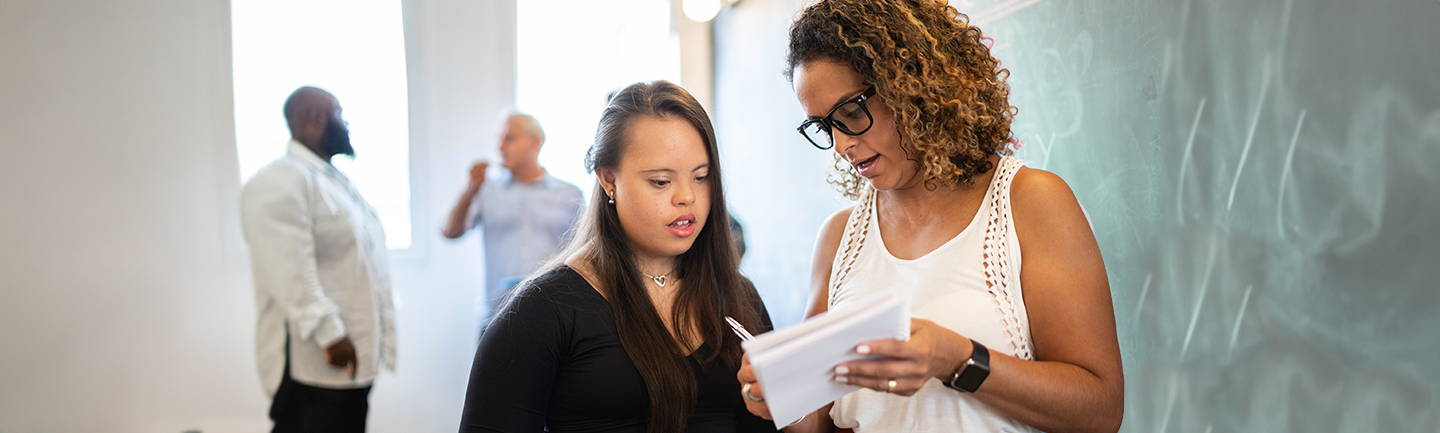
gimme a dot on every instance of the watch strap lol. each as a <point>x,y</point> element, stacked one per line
<point>975,370</point>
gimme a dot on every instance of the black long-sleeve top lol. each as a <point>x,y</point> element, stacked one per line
<point>552,361</point>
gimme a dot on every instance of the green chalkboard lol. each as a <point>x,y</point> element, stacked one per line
<point>1262,178</point>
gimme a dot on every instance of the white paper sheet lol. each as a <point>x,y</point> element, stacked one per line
<point>796,365</point>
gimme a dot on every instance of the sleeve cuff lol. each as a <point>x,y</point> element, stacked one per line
<point>330,331</point>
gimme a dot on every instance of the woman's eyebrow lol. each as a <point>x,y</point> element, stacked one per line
<point>842,100</point>
<point>846,97</point>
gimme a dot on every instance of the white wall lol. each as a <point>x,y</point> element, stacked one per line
<point>775,180</point>
<point>126,303</point>
<point>461,57</point>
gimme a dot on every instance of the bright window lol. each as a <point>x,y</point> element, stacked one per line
<point>568,62</point>
<point>356,50</point>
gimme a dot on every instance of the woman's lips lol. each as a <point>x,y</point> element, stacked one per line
<point>684,226</point>
<point>866,166</point>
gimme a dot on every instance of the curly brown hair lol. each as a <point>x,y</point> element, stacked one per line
<point>931,68</point>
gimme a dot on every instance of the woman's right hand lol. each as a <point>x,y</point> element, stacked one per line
<point>817,421</point>
<point>746,376</point>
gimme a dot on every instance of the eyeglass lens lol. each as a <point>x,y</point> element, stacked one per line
<point>850,118</point>
<point>818,133</point>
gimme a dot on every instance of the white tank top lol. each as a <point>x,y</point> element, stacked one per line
<point>970,284</point>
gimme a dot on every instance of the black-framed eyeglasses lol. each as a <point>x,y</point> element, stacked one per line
<point>850,118</point>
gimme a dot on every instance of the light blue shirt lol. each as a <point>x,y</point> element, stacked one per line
<point>525,225</point>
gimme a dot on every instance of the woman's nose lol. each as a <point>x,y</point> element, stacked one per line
<point>684,193</point>
<point>844,142</point>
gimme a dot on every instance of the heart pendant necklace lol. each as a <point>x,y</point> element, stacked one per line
<point>658,279</point>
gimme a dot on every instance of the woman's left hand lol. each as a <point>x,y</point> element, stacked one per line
<point>932,351</point>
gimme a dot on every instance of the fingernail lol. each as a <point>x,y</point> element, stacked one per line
<point>862,349</point>
<point>842,379</point>
<point>842,370</point>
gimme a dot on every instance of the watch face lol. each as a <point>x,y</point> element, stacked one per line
<point>954,381</point>
<point>956,378</point>
<point>970,376</point>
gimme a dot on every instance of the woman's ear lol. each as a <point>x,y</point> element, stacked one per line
<point>607,180</point>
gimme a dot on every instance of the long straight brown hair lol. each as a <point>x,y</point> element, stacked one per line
<point>711,286</point>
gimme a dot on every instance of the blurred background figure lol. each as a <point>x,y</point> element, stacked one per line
<point>526,212</point>
<point>322,277</point>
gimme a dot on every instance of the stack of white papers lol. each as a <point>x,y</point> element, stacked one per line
<point>796,365</point>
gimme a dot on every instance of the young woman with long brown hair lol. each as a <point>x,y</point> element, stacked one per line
<point>625,331</point>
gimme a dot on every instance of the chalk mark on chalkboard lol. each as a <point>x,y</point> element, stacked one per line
<point>1239,317</point>
<point>994,13</point>
<point>1250,136</point>
<point>1285,176</point>
<point>1170,403</point>
<point>1185,163</point>
<point>1284,27</point>
<point>1200,299</point>
<point>1165,61</point>
<point>1045,146</point>
<point>1184,23</point>
<point>1141,304</point>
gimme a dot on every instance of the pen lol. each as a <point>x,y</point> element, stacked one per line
<point>745,335</point>
<point>739,329</point>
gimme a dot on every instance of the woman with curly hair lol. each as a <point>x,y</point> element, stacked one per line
<point>916,109</point>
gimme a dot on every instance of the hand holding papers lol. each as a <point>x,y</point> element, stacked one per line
<point>795,365</point>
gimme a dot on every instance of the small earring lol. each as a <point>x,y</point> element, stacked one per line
<point>612,198</point>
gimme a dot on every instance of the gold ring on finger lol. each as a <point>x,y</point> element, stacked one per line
<point>891,388</point>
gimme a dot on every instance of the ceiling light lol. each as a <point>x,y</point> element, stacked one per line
<point>701,10</point>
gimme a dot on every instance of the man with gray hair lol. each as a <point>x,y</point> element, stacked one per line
<point>527,214</point>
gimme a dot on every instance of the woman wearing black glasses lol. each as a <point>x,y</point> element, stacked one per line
<point>916,110</point>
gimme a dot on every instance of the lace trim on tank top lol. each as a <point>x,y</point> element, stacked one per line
<point>856,228</point>
<point>996,256</point>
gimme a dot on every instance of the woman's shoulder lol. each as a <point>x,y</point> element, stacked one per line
<point>560,275</point>
<point>559,285</point>
<point>829,238</point>
<point>1038,191</point>
<point>552,301</point>
<point>1043,206</point>
<point>834,226</point>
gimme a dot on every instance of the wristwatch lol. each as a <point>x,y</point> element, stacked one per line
<point>974,372</point>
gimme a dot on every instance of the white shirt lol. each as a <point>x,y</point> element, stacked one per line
<point>525,225</point>
<point>970,285</point>
<point>321,270</point>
